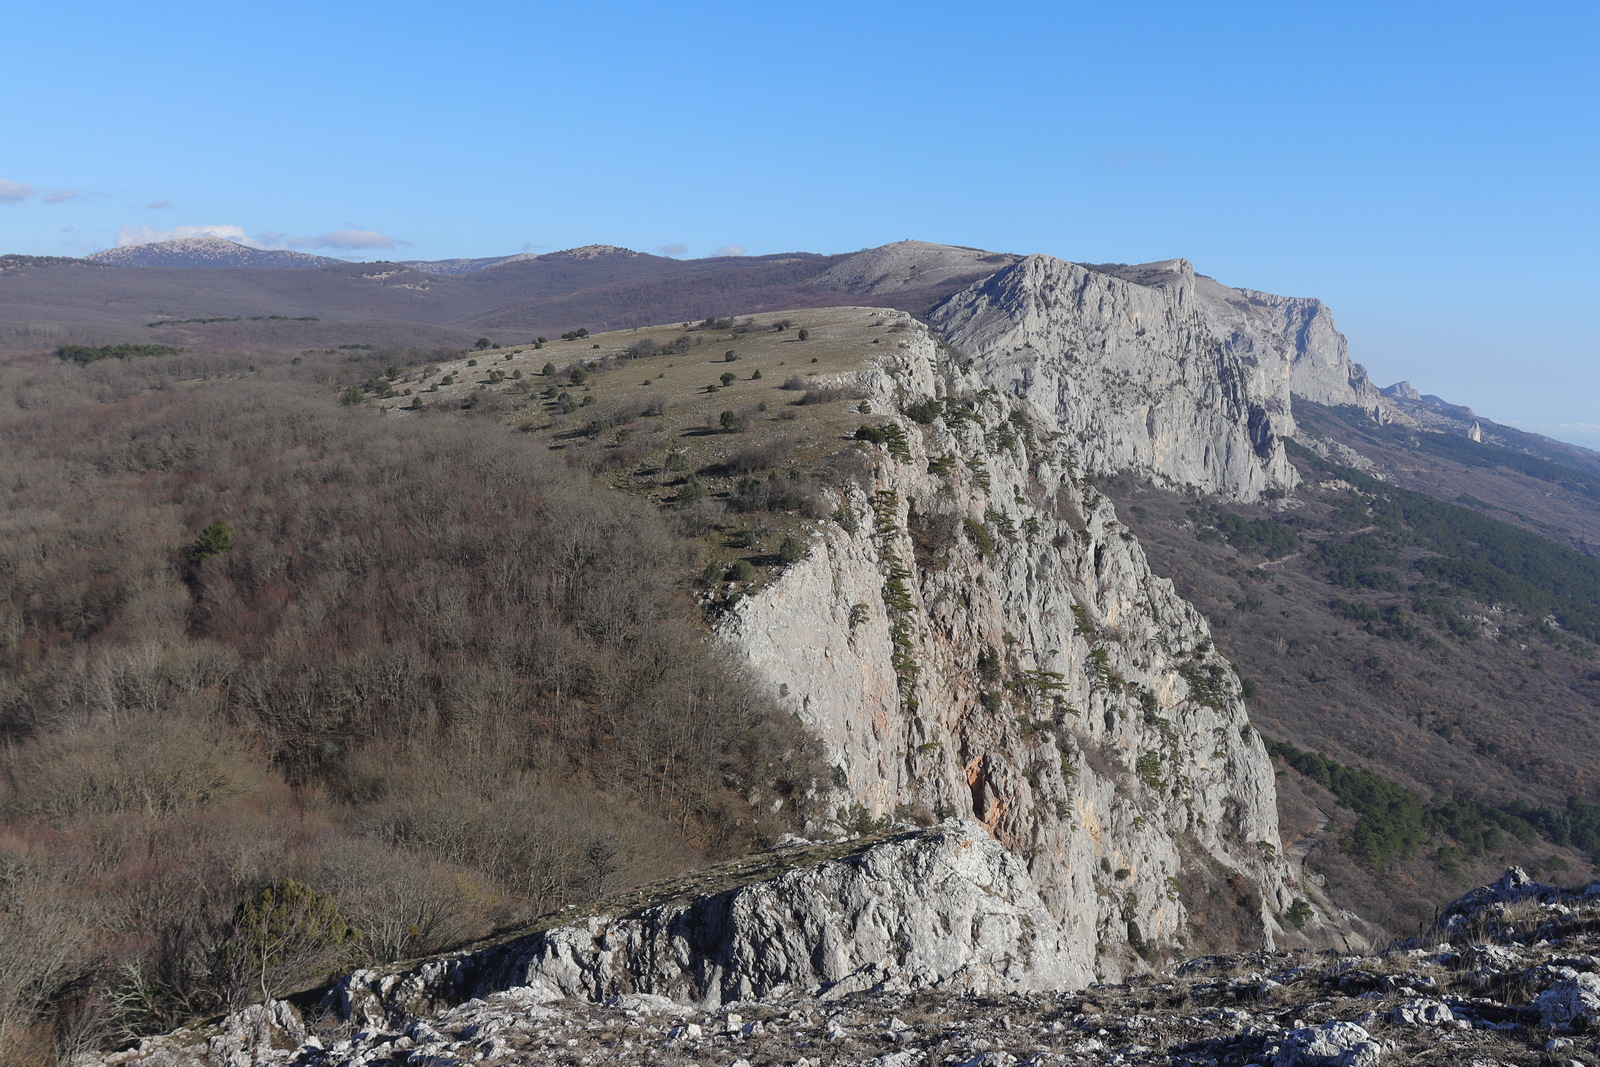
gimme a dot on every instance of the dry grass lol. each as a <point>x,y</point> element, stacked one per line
<point>656,422</point>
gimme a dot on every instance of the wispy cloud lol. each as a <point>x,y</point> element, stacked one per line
<point>346,239</point>
<point>729,250</point>
<point>17,192</point>
<point>676,249</point>
<point>144,235</point>
<point>157,205</point>
<point>14,192</point>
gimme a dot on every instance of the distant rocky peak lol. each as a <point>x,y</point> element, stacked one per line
<point>1401,391</point>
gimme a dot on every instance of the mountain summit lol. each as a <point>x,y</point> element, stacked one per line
<point>207,252</point>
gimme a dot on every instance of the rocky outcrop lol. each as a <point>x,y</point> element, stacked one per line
<point>977,635</point>
<point>1155,369</point>
<point>944,907</point>
<point>1518,982</point>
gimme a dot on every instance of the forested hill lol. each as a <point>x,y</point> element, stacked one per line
<point>250,638</point>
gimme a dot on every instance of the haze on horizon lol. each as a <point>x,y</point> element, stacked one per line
<point>1429,177</point>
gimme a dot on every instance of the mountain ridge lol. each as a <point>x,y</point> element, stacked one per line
<point>207,253</point>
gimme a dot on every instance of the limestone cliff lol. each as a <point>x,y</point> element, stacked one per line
<point>977,635</point>
<point>1155,369</point>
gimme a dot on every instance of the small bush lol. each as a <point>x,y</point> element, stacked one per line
<point>742,571</point>
<point>825,394</point>
<point>980,537</point>
<point>214,540</point>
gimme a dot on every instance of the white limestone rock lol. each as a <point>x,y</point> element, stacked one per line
<point>1133,373</point>
<point>1155,369</point>
<point>1049,687</point>
<point>1333,1044</point>
<point>1570,1003</point>
<point>946,907</point>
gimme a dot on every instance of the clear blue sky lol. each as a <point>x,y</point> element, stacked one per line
<point>1427,169</point>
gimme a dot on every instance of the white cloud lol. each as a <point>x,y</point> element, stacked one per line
<point>14,192</point>
<point>61,196</point>
<point>729,250</point>
<point>346,239</point>
<point>144,235</point>
<point>676,249</point>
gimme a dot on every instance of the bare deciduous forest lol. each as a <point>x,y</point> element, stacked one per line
<point>289,686</point>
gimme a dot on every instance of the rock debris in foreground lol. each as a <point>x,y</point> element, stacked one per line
<point>1509,977</point>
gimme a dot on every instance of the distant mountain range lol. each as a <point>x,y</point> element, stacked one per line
<point>321,302</point>
<point>214,253</point>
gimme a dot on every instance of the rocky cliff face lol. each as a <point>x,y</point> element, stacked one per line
<point>1155,369</point>
<point>977,635</point>
<point>1286,337</point>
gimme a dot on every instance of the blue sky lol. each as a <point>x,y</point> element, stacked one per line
<point>1429,170</point>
